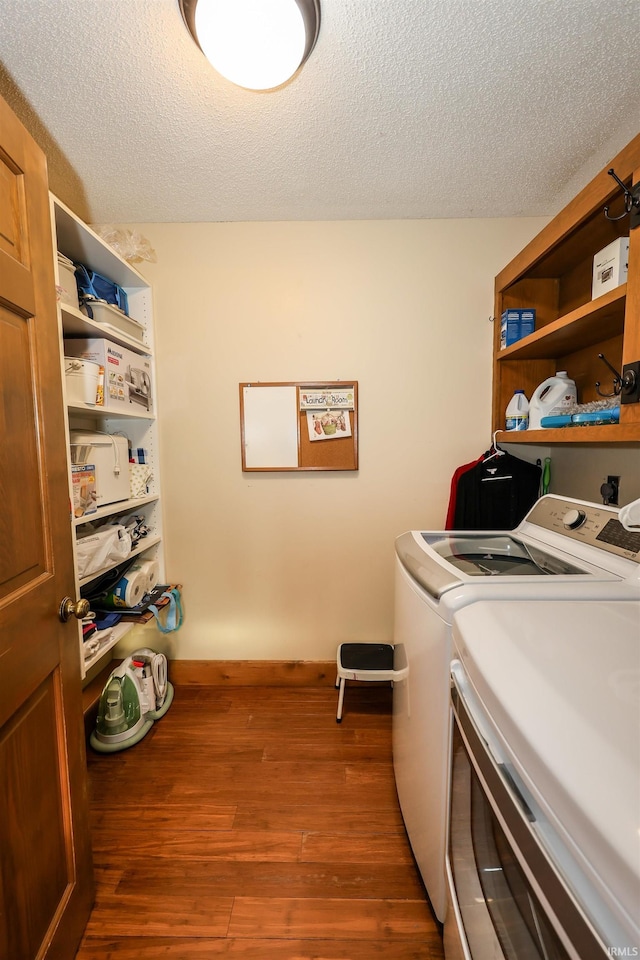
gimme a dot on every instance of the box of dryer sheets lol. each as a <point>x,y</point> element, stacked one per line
<point>610,267</point>
<point>515,324</point>
<point>127,375</point>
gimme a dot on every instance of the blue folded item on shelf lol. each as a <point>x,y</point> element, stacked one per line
<point>611,415</point>
<point>93,286</point>
<point>563,420</point>
<point>105,620</point>
<point>586,418</point>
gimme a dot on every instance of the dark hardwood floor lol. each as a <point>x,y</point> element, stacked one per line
<point>249,824</point>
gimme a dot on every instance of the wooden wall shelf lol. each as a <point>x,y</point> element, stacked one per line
<point>553,275</point>
<point>604,433</point>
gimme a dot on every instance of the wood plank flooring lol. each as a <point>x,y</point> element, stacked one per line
<point>248,824</point>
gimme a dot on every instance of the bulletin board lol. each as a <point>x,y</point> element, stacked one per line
<point>299,425</point>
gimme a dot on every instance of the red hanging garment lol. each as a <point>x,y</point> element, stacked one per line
<point>451,511</point>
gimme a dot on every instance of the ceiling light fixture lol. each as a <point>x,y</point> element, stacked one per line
<point>257,44</point>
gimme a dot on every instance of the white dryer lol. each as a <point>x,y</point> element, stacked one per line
<point>544,850</point>
<point>564,549</point>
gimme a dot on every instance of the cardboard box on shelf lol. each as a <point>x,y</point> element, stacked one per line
<point>127,375</point>
<point>83,484</point>
<point>516,324</point>
<point>610,267</point>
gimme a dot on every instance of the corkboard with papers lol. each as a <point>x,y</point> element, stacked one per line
<point>299,425</point>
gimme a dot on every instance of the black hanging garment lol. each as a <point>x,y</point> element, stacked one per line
<point>496,493</point>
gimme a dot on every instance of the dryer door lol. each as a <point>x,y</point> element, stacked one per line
<point>510,900</point>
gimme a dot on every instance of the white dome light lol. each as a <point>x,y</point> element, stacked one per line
<point>258,44</point>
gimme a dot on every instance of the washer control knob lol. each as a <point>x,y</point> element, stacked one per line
<point>574,519</point>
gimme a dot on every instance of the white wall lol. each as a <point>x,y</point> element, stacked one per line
<point>579,471</point>
<point>285,566</point>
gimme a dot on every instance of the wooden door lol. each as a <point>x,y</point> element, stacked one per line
<point>46,882</point>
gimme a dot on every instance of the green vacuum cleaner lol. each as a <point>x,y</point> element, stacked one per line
<point>136,694</point>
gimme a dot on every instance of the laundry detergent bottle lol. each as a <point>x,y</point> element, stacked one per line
<point>517,412</point>
<point>553,397</point>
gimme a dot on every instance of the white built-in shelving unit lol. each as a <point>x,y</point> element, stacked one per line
<point>81,244</point>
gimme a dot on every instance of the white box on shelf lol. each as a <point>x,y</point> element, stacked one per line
<point>610,267</point>
<point>127,375</point>
<point>110,454</point>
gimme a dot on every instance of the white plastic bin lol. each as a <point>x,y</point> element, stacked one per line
<point>114,319</point>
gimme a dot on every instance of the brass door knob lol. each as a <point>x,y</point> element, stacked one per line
<point>70,608</point>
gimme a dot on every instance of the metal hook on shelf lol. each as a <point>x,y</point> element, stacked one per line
<point>617,379</point>
<point>631,201</point>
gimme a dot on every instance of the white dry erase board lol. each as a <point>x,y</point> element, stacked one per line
<point>299,425</point>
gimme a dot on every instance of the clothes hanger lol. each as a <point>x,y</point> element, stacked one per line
<point>495,450</point>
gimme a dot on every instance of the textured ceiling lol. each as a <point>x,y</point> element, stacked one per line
<point>406,108</point>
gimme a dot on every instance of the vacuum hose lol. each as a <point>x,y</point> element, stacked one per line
<point>159,674</point>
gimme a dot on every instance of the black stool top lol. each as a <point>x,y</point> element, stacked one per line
<point>366,656</point>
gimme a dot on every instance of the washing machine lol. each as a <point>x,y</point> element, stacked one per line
<point>564,549</point>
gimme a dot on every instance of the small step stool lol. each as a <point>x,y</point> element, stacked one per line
<point>364,661</point>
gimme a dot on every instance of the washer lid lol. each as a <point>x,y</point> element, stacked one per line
<point>561,683</point>
<point>434,576</point>
<point>440,561</point>
<point>499,555</point>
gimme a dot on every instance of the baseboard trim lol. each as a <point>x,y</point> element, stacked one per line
<point>253,673</point>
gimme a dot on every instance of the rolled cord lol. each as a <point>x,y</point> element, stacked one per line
<point>116,455</point>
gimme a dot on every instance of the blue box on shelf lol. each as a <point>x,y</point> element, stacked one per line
<point>516,324</point>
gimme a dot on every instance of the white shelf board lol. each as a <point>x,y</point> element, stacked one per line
<point>106,413</point>
<point>76,323</point>
<point>80,243</point>
<point>112,509</point>
<point>116,634</point>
